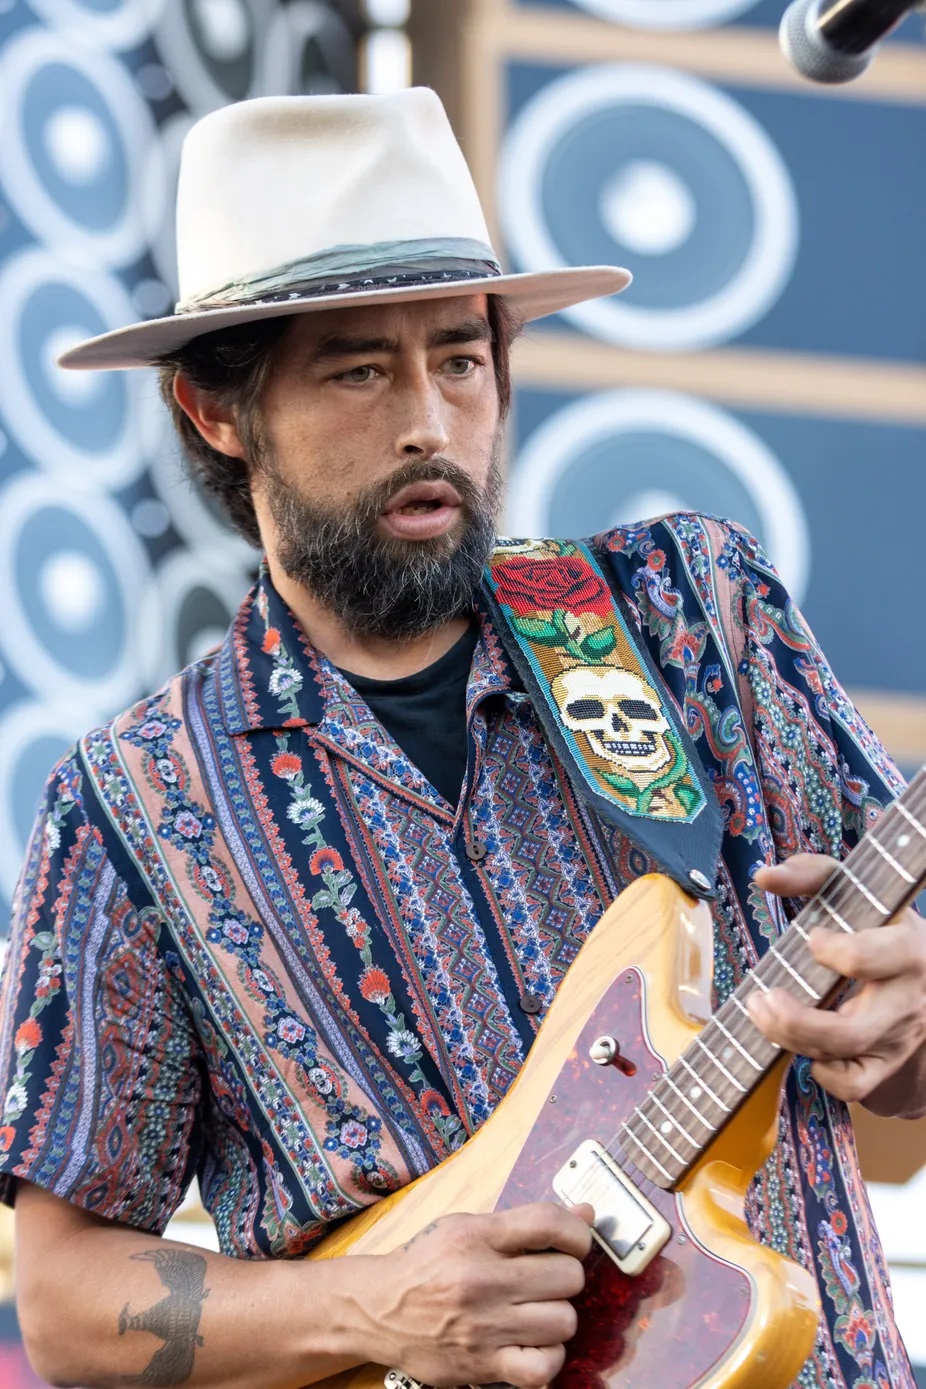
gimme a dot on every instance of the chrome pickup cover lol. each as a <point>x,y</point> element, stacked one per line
<point>627,1226</point>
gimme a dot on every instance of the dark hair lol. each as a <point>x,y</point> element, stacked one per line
<point>233,365</point>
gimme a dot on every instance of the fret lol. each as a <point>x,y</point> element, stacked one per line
<point>795,975</point>
<point>667,1079</point>
<point>756,1065</point>
<point>840,921</point>
<point>720,1066</point>
<point>625,1128</point>
<point>638,1114</point>
<point>672,1119</point>
<point>920,829</point>
<point>701,1084</point>
<point>889,858</point>
<point>857,882</point>
<point>880,873</point>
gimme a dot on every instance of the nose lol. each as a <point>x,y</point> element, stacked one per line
<point>618,724</point>
<point>422,431</point>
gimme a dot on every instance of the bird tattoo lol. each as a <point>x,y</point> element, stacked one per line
<point>175,1319</point>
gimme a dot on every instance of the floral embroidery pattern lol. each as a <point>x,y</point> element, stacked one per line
<point>586,665</point>
<point>336,895</point>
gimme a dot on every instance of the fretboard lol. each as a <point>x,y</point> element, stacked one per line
<point>690,1104</point>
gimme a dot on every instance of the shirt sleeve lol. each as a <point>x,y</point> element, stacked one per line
<point>99,1067</point>
<point>825,775</point>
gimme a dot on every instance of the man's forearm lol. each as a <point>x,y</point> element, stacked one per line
<point>124,1308</point>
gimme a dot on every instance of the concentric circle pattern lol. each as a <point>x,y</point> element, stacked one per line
<point>667,14</point>
<point>658,170</point>
<point>622,456</point>
<point>114,571</point>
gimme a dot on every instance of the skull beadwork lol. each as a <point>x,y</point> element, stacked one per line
<point>620,715</point>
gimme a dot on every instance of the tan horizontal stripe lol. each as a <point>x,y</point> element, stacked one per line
<point>899,721</point>
<point>742,57</point>
<point>804,384</point>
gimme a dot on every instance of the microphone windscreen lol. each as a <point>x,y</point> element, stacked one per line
<point>808,51</point>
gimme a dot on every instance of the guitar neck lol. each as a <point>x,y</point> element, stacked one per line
<point>730,1057</point>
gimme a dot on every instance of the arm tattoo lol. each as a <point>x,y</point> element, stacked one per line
<point>174,1319</point>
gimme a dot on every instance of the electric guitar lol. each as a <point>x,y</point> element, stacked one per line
<point>635,1099</point>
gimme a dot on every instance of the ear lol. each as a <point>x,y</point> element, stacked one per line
<point>215,422</point>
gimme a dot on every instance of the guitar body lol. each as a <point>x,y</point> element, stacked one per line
<point>714,1308</point>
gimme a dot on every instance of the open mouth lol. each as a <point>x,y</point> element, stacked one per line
<point>420,498</point>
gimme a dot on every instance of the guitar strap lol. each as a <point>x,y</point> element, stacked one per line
<point>603,704</point>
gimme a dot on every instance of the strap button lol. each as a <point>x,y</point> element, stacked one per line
<point>476,849</point>
<point>530,1003</point>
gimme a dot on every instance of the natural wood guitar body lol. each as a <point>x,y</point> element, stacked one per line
<point>715,1308</point>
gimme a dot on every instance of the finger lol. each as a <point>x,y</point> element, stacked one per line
<point>540,1226</point>
<point>801,875</point>
<point>895,949</point>
<point>528,1367</point>
<point>868,1023</point>
<point>545,1277</point>
<point>855,1079</point>
<point>544,1323</point>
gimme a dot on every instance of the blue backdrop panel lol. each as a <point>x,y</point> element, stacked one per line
<point>679,15</point>
<point>114,573</point>
<point>766,219</point>
<point>584,462</point>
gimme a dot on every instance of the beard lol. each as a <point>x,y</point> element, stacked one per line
<point>378,585</point>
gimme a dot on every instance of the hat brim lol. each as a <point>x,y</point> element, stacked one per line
<point>532,295</point>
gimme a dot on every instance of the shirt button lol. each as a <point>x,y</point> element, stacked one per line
<point>530,1003</point>
<point>476,849</point>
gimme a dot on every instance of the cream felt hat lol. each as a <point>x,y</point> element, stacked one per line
<point>289,204</point>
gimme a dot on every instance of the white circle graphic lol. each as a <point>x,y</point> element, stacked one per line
<point>122,26</point>
<point>667,14</point>
<point>35,54</point>
<point>72,589</point>
<point>121,459</point>
<point>754,286</point>
<point>552,450</point>
<point>76,142</point>
<point>37,665</point>
<point>648,207</point>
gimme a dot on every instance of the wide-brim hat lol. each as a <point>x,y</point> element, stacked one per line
<point>296,204</point>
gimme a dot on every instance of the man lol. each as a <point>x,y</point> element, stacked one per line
<point>292,923</point>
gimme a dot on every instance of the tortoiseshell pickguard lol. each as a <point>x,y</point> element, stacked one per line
<point>668,1327</point>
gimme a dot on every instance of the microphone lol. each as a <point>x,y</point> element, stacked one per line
<point>835,40</point>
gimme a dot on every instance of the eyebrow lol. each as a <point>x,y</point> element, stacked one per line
<point>336,345</point>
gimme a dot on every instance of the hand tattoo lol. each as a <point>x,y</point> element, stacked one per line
<point>175,1319</point>
<point>428,1229</point>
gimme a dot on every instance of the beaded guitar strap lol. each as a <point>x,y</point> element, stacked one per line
<point>603,704</point>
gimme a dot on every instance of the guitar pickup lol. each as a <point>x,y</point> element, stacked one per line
<point>627,1226</point>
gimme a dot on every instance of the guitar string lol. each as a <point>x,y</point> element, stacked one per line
<point>876,873</point>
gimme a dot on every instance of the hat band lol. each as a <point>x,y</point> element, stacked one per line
<point>349,269</point>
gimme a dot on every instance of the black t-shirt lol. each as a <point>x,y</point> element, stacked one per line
<point>426,714</point>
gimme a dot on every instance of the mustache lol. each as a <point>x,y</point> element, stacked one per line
<point>374,500</point>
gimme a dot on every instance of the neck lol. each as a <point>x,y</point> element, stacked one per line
<point>378,658</point>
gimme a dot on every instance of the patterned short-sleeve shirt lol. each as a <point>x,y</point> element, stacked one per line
<point>249,943</point>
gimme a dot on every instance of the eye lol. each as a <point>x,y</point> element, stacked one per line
<point>637,709</point>
<point>585,709</point>
<point>461,366</point>
<point>357,376</point>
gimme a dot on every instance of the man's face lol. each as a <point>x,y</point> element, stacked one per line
<point>378,481</point>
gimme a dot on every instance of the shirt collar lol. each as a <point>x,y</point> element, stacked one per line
<point>271,677</point>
